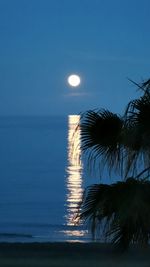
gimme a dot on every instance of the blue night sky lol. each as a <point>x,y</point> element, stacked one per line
<point>43,41</point>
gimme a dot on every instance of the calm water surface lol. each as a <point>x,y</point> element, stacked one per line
<point>40,179</point>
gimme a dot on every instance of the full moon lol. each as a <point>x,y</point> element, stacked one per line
<point>74,80</point>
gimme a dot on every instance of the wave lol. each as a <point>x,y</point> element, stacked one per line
<point>31,232</point>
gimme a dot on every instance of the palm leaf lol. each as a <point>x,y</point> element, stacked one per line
<point>138,125</point>
<point>120,210</point>
<point>101,138</point>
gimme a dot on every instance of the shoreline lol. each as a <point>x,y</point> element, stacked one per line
<point>65,254</point>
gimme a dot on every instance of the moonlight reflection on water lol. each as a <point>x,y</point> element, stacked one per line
<point>74,169</point>
<point>74,180</point>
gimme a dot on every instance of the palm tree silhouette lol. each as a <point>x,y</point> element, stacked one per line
<point>120,211</point>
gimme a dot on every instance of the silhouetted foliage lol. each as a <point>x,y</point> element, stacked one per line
<point>120,211</point>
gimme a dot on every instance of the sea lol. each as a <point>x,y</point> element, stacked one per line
<point>41,179</point>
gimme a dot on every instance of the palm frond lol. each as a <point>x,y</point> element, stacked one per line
<point>138,125</point>
<point>121,210</point>
<point>138,115</point>
<point>101,137</point>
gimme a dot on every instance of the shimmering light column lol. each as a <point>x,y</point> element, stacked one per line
<point>74,169</point>
<point>74,182</point>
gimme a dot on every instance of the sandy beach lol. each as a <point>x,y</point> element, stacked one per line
<point>70,255</point>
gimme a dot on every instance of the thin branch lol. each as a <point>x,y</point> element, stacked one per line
<point>142,172</point>
<point>140,87</point>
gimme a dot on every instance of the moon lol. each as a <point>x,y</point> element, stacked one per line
<point>74,80</point>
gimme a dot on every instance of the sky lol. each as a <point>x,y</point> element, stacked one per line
<point>43,41</point>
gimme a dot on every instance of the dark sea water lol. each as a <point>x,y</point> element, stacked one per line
<point>39,185</point>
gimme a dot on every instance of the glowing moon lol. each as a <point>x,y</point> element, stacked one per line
<point>74,80</point>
